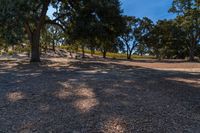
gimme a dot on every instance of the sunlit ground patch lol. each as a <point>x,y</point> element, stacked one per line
<point>85,105</point>
<point>89,71</point>
<point>193,82</point>
<point>85,92</point>
<point>87,99</point>
<point>15,96</point>
<point>63,93</point>
<point>104,72</point>
<point>128,81</point>
<point>114,125</point>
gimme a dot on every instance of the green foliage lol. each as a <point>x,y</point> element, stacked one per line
<point>10,52</point>
<point>167,40</point>
<point>98,24</point>
<point>134,33</point>
<point>71,48</point>
<point>85,20</point>
<point>118,55</point>
<point>189,21</point>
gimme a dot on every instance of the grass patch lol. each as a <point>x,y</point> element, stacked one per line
<point>109,54</point>
<point>119,55</point>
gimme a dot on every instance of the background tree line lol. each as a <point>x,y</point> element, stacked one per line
<point>99,26</point>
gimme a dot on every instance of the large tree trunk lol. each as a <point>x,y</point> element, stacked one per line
<point>34,35</point>
<point>35,47</point>
<point>191,50</point>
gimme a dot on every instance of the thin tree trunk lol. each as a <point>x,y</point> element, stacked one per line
<point>53,47</point>
<point>104,53</point>
<point>129,56</point>
<point>13,47</point>
<point>191,50</point>
<point>45,48</point>
<point>129,53</point>
<point>128,49</point>
<point>83,51</point>
<point>35,47</point>
<point>92,51</point>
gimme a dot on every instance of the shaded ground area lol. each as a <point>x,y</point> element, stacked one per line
<point>60,95</point>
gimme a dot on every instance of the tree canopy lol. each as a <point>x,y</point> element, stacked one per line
<point>100,25</point>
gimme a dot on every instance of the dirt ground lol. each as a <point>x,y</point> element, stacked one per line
<point>111,96</point>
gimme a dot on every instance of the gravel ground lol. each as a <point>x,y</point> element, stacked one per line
<point>83,96</point>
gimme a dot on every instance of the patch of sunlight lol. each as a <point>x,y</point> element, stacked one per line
<point>63,94</point>
<point>65,84</point>
<point>28,74</point>
<point>85,92</point>
<point>89,71</point>
<point>9,66</point>
<point>104,72</point>
<point>3,72</point>
<point>60,60</point>
<point>87,100</point>
<point>85,105</point>
<point>194,82</point>
<point>195,70</point>
<point>194,73</point>
<point>128,81</point>
<point>15,96</point>
<point>58,65</point>
<point>114,125</point>
<point>44,107</point>
<point>73,80</point>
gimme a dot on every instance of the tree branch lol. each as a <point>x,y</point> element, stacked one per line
<point>43,14</point>
<point>54,23</point>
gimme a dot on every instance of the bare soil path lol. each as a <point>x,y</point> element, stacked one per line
<point>66,95</point>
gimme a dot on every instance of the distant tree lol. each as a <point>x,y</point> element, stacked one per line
<point>131,34</point>
<point>56,34</point>
<point>166,40</point>
<point>146,26</point>
<point>189,21</point>
<point>45,38</point>
<point>98,22</point>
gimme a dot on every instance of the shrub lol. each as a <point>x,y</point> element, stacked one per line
<point>10,52</point>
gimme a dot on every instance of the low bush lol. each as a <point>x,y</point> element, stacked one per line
<point>10,52</point>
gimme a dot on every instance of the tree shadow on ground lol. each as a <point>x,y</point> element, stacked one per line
<point>86,96</point>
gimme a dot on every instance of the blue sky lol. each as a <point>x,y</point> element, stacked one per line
<point>153,9</point>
